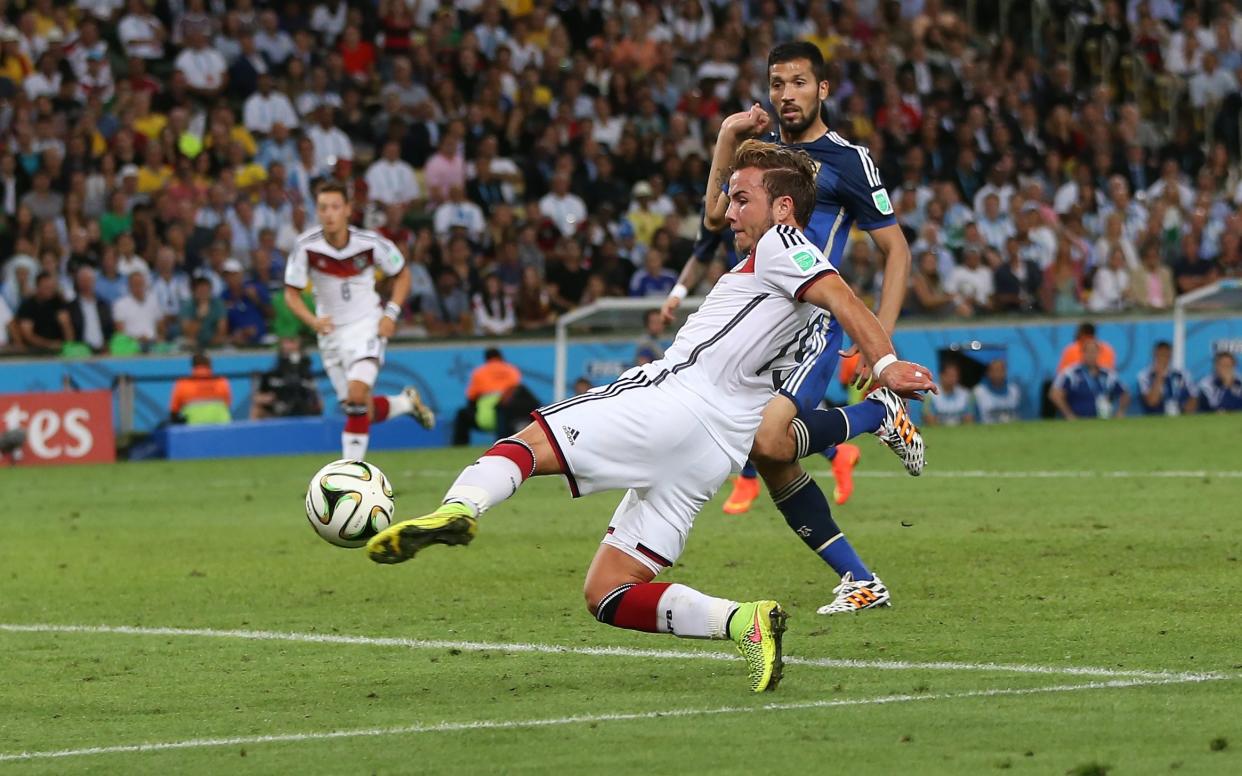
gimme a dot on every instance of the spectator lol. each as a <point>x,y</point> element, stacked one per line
<point>446,313</point>
<point>1062,291</point>
<point>205,71</point>
<point>1162,388</point>
<point>457,212</point>
<point>1151,285</point>
<point>1111,284</point>
<point>565,209</point>
<point>138,314</point>
<point>127,259</point>
<point>493,309</point>
<point>997,398</point>
<point>203,320</point>
<point>288,389</point>
<point>90,316</point>
<point>493,385</point>
<point>954,405</point>
<point>650,347</point>
<point>330,143</point>
<point>971,284</point>
<point>110,284</point>
<point>44,203</point>
<point>1192,271</point>
<point>641,215</point>
<point>534,305</point>
<point>202,398</point>
<point>1017,281</point>
<point>1088,389</point>
<point>247,306</point>
<point>266,108</point>
<point>391,181</point>
<point>445,169</point>
<point>654,279</point>
<point>1221,391</point>
<point>567,279</point>
<point>1072,354</point>
<point>43,318</point>
<point>141,32</point>
<point>170,287</point>
<point>927,292</point>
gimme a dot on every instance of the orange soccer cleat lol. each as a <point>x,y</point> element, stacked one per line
<point>843,464</point>
<point>745,491</point>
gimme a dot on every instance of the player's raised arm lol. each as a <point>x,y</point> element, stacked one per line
<point>733,130</point>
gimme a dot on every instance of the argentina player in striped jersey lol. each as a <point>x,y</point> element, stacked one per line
<point>849,192</point>
<point>669,432</point>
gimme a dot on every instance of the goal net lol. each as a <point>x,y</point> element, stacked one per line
<point>1221,300</point>
<point>613,321</point>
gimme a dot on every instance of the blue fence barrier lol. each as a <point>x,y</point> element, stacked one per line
<point>441,371</point>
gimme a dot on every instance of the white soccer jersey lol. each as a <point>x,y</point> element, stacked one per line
<point>344,279</point>
<point>726,361</point>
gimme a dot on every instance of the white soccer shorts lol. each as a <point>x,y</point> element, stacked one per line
<point>635,437</point>
<point>345,351</point>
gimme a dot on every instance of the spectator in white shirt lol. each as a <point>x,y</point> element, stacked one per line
<point>128,260</point>
<point>329,20</point>
<point>274,43</point>
<point>566,209</point>
<point>288,233</point>
<point>493,309</point>
<point>169,286</point>
<point>274,210</point>
<point>331,144</point>
<point>995,225</point>
<point>1211,85</point>
<point>318,95</point>
<point>266,107</point>
<point>459,212</point>
<point>206,72</point>
<point>138,314</point>
<point>1111,282</point>
<point>141,32</point>
<point>971,284</point>
<point>390,179</point>
<point>44,82</point>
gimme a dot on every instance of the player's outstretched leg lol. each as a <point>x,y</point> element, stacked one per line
<point>899,432</point>
<point>806,510</point>
<point>745,491</point>
<point>619,592</point>
<point>882,413</point>
<point>494,477</point>
<point>408,402</point>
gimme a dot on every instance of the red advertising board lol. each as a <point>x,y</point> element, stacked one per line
<point>65,427</point>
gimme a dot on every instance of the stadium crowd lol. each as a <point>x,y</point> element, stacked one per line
<point>532,156</point>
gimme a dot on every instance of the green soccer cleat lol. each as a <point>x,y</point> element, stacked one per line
<point>756,628</point>
<point>450,524</point>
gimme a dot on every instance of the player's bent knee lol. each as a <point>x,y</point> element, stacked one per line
<point>773,446</point>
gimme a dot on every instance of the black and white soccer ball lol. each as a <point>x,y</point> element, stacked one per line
<point>348,502</point>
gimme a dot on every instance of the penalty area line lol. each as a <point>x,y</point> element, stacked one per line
<point>452,727</point>
<point>623,652</point>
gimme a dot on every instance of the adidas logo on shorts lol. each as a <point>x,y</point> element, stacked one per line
<point>570,433</point>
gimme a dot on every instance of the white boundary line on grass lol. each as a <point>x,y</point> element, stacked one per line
<point>627,652</point>
<point>452,727</point>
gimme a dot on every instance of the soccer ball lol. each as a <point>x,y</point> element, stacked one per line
<point>348,502</point>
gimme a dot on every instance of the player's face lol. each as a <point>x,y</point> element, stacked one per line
<point>796,95</point>
<point>750,211</point>
<point>333,212</point>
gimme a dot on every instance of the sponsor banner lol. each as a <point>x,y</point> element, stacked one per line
<point>61,427</point>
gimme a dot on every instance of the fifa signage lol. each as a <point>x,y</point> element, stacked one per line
<point>52,428</point>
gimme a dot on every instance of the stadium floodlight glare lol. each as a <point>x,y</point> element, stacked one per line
<point>1221,295</point>
<point>620,313</point>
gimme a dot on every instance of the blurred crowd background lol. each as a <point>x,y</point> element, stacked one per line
<point>531,156</point>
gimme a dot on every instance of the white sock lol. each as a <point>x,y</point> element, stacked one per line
<point>399,404</point>
<point>485,483</point>
<point>685,612</point>
<point>354,446</point>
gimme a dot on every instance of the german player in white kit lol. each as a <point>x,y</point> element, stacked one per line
<point>671,431</point>
<point>353,327</point>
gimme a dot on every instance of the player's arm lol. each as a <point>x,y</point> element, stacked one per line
<point>392,308</point>
<point>297,276</point>
<point>1153,393</point>
<point>897,260</point>
<point>830,292</point>
<point>1056,395</point>
<point>732,130</point>
<point>1123,400</point>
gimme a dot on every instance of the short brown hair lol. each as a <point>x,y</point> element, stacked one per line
<point>332,187</point>
<point>787,172</point>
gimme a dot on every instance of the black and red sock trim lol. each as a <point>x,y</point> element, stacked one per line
<point>517,451</point>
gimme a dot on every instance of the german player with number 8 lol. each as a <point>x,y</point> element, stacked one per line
<point>340,262</point>
<point>671,431</point>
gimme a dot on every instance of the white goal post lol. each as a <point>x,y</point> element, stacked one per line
<point>1186,300</point>
<point>560,380</point>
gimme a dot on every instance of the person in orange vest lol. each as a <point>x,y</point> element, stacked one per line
<point>202,398</point>
<point>1072,354</point>
<point>492,386</point>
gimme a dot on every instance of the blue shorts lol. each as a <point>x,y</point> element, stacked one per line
<point>819,352</point>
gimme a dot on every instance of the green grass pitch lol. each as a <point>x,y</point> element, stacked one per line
<point>1026,554</point>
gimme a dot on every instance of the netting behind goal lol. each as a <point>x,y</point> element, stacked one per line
<point>612,319</point>
<point>1219,300</point>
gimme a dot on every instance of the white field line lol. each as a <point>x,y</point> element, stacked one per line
<point>623,652</point>
<point>452,727</point>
